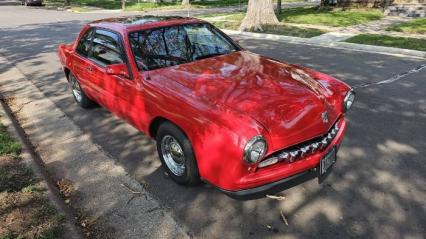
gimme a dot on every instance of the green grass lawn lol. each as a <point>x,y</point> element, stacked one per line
<point>7,144</point>
<point>302,15</point>
<point>23,200</point>
<point>417,26</point>
<point>233,22</point>
<point>334,18</point>
<point>327,17</point>
<point>330,17</point>
<point>383,40</point>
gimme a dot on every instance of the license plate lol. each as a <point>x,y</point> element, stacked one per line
<point>328,160</point>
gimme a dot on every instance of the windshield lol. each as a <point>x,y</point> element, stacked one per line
<point>169,46</point>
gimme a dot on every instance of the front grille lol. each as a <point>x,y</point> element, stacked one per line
<point>301,150</point>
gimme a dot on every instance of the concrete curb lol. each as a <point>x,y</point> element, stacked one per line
<point>340,45</point>
<point>105,193</point>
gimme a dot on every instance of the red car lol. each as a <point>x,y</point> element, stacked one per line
<point>32,2</point>
<point>219,113</point>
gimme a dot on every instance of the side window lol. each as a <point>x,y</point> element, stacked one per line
<point>106,49</point>
<point>84,44</point>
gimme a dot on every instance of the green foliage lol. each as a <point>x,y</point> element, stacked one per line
<point>218,3</point>
<point>417,26</point>
<point>7,144</point>
<point>383,40</point>
<point>329,17</point>
<point>23,197</point>
<point>312,16</point>
<point>31,189</point>
<point>134,5</point>
<point>14,177</point>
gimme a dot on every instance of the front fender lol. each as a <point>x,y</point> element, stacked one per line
<point>219,147</point>
<point>218,134</point>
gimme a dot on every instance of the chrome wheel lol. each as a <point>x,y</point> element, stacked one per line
<point>76,90</point>
<point>173,155</point>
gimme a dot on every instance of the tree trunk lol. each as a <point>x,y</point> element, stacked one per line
<point>259,12</point>
<point>185,2</point>
<point>123,4</point>
<point>279,6</point>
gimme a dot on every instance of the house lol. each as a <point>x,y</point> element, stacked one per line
<point>407,8</point>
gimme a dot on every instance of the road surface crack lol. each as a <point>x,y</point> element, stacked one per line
<point>394,78</point>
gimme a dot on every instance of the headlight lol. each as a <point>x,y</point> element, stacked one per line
<point>349,100</point>
<point>255,150</point>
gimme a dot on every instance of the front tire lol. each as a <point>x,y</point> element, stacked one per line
<point>79,96</point>
<point>176,155</point>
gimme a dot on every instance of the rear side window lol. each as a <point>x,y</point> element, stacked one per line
<point>83,46</point>
<point>106,49</point>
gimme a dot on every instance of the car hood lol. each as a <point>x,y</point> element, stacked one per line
<point>281,97</point>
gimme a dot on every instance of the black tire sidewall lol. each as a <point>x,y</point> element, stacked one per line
<point>85,102</point>
<point>191,175</point>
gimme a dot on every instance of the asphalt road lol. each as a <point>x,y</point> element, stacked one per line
<point>377,188</point>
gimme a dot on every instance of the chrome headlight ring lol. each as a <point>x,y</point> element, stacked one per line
<point>348,100</point>
<point>255,150</point>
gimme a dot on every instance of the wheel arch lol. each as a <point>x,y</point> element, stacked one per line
<point>67,73</point>
<point>158,121</point>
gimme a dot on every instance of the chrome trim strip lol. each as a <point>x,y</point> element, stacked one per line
<point>303,149</point>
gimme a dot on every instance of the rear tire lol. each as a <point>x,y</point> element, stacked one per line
<point>176,155</point>
<point>79,96</point>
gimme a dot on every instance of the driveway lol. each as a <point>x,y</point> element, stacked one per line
<point>377,188</point>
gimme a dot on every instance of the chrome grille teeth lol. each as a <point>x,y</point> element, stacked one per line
<point>294,153</point>
<point>315,146</point>
<point>304,150</point>
<point>324,142</point>
<point>291,156</point>
<point>284,156</point>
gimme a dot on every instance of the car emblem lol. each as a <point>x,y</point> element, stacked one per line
<point>324,117</point>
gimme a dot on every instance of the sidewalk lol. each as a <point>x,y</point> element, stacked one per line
<point>337,35</point>
<point>373,27</point>
<point>116,204</point>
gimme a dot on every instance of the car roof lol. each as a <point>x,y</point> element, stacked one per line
<point>139,22</point>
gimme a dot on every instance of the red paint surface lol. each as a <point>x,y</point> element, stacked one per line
<point>220,103</point>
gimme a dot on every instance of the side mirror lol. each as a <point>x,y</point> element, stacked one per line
<point>118,70</point>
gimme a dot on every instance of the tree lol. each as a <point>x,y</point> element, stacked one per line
<point>259,13</point>
<point>279,6</point>
<point>123,4</point>
<point>185,2</point>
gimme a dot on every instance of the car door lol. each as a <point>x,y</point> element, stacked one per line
<point>117,93</point>
<point>81,65</point>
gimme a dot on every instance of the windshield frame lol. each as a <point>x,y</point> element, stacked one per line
<point>214,28</point>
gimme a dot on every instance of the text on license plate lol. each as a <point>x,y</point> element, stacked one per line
<point>328,160</point>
